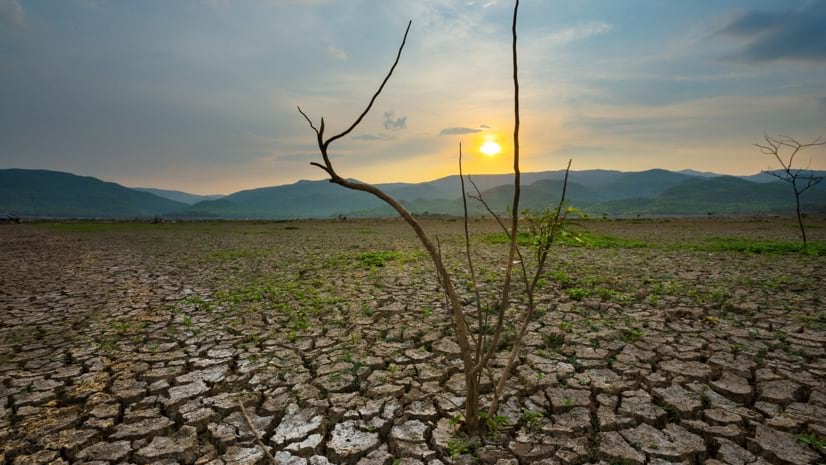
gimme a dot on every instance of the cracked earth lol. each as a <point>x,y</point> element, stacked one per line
<point>137,343</point>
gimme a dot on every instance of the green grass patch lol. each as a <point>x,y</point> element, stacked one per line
<point>600,241</point>
<point>631,335</point>
<point>523,239</point>
<point>227,255</point>
<point>378,259</point>
<point>613,296</point>
<point>737,244</point>
<point>714,244</point>
<point>578,293</point>
<point>582,239</point>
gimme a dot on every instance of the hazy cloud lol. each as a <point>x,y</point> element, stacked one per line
<point>391,123</point>
<point>822,106</point>
<point>483,5</point>
<point>462,130</point>
<point>12,14</point>
<point>579,32</point>
<point>337,53</point>
<point>373,137</point>
<point>455,131</point>
<point>797,35</point>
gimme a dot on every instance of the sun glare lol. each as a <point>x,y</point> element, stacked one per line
<point>490,148</point>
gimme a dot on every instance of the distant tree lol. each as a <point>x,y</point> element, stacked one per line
<point>801,179</point>
<point>478,338</point>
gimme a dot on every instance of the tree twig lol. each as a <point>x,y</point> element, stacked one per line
<point>258,440</point>
<point>473,281</point>
<point>506,285</point>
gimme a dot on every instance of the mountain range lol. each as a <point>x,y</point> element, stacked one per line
<point>657,192</point>
<point>178,196</point>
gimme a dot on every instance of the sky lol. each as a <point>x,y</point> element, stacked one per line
<point>201,95</point>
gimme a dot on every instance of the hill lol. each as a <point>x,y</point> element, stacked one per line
<point>178,196</point>
<point>322,199</point>
<point>597,192</point>
<point>42,193</point>
<point>724,195</point>
<point>766,177</point>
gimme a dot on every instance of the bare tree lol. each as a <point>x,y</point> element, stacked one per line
<point>801,179</point>
<point>477,346</point>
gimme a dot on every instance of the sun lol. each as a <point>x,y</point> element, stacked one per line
<point>490,148</point>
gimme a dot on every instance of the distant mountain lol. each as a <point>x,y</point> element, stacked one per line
<point>304,199</point>
<point>178,196</point>
<point>642,184</point>
<point>722,195</point>
<point>704,174</point>
<point>766,177</point>
<point>41,193</point>
<point>597,192</point>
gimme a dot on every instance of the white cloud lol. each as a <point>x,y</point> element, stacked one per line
<point>487,4</point>
<point>580,32</point>
<point>337,53</point>
<point>12,14</point>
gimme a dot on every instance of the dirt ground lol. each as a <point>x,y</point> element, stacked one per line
<point>658,341</point>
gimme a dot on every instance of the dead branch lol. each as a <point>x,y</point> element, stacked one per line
<point>258,440</point>
<point>474,283</point>
<point>456,309</point>
<point>517,345</point>
<point>475,362</point>
<point>504,302</point>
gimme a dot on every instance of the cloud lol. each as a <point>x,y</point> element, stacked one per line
<point>484,5</point>
<point>373,137</point>
<point>462,130</point>
<point>337,53</point>
<point>797,35</point>
<point>822,106</point>
<point>455,131</point>
<point>391,123</point>
<point>579,32</point>
<point>12,14</point>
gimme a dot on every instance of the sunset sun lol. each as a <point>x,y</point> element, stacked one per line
<point>490,148</point>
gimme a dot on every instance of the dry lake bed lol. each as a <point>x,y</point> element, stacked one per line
<point>695,341</point>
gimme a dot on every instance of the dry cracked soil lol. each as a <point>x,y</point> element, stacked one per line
<point>137,343</point>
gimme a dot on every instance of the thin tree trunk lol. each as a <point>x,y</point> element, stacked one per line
<point>472,404</point>
<point>800,217</point>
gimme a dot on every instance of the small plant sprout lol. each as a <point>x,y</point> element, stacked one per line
<point>813,440</point>
<point>493,423</point>
<point>531,419</point>
<point>457,447</point>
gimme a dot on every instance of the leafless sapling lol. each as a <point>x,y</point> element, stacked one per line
<point>477,345</point>
<point>801,179</point>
